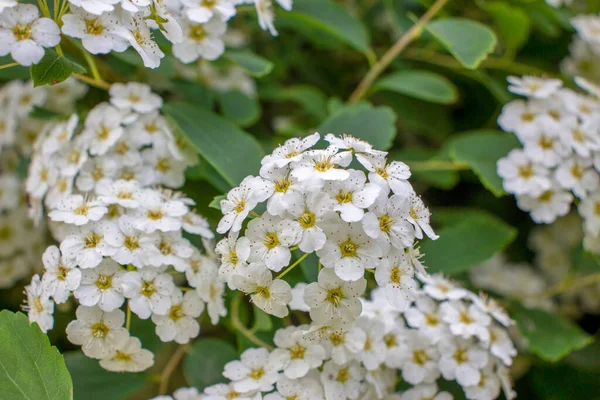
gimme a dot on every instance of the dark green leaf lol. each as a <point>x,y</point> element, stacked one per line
<point>376,125</point>
<point>329,18</point>
<point>53,69</point>
<point>204,362</point>
<point>512,23</point>
<point>240,108</point>
<point>561,382</point>
<point>230,151</point>
<point>262,321</point>
<point>216,202</point>
<point>466,244</point>
<point>92,382</point>
<point>423,85</point>
<point>312,100</point>
<point>30,369</point>
<point>194,92</point>
<point>252,63</point>
<point>470,42</point>
<point>550,336</point>
<point>481,150</point>
<point>443,179</point>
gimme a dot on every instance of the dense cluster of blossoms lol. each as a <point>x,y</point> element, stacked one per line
<point>560,159</point>
<point>447,332</point>
<point>21,244</point>
<point>354,221</point>
<point>584,51</point>
<point>121,238</point>
<point>195,28</point>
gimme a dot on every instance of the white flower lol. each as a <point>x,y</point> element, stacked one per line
<point>392,176</point>
<point>94,171</point>
<point>96,7</point>
<point>310,210</point>
<point>201,41</point>
<point>24,35</point>
<point>98,33</point>
<point>173,250</point>
<point>532,86</point>
<point>72,157</point>
<point>395,274</point>
<point>39,306</point>
<point>156,213</point>
<point>521,118</point>
<point>271,296</point>
<point>149,292</point>
<point>343,347</point>
<point>42,174</point>
<point>61,276</point>
<point>425,391</point>
<point>462,360</point>
<point>128,356</point>
<point>547,148</point>
<point>317,166</point>
<point>582,139</point>
<point>102,128</point>
<point>299,389</point>
<point>488,387</point>
<point>363,150</point>
<point>352,195</point>
<point>270,239</point>
<point>349,251</point>
<point>296,352</point>
<point>501,346</point>
<point>283,191</point>
<point>179,324</point>
<point>166,169</point>
<point>211,290</point>
<point>101,286</point>
<point>202,11</point>
<point>425,316</point>
<point>121,192</point>
<point>134,96</point>
<point>7,4</point>
<point>548,206</point>
<point>441,288</point>
<point>342,381</point>
<point>466,320</point>
<point>333,300</point>
<point>99,333</point>
<point>386,222</point>
<point>136,248</point>
<point>222,391</point>
<point>297,302</point>
<point>234,254</point>
<point>418,359</point>
<point>522,176</point>
<point>197,225</point>
<point>256,370</point>
<point>578,175</point>
<point>240,201</point>
<point>589,209</point>
<point>59,134</point>
<point>374,351</point>
<point>77,210</point>
<point>65,94</point>
<point>266,16</point>
<point>291,151</point>
<point>89,243</point>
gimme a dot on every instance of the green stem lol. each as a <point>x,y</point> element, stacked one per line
<point>14,64</point>
<point>437,165</point>
<point>165,377</point>
<point>93,68</point>
<point>571,283</point>
<point>128,320</point>
<point>237,324</point>
<point>291,267</point>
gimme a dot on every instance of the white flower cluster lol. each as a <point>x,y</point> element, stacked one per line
<point>584,50</point>
<point>560,159</point>
<point>448,332</point>
<point>195,28</point>
<point>21,243</point>
<point>121,242</point>
<point>354,221</point>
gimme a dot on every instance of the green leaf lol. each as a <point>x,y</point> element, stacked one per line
<point>442,179</point>
<point>550,336</point>
<point>376,125</point>
<point>318,17</point>
<point>312,100</point>
<point>229,150</point>
<point>194,92</point>
<point>466,244</point>
<point>423,85</point>
<point>262,321</point>
<point>470,42</point>
<point>216,202</point>
<point>254,64</point>
<point>30,368</point>
<point>512,23</point>
<point>481,150</point>
<point>204,362</point>
<point>240,108</point>
<point>92,382</point>
<point>45,115</point>
<point>558,382</point>
<point>53,69</point>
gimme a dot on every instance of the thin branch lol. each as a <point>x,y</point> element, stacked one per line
<point>291,267</point>
<point>394,51</point>
<point>14,64</point>
<point>570,284</point>
<point>437,165</point>
<point>165,377</point>
<point>237,324</point>
<point>91,81</point>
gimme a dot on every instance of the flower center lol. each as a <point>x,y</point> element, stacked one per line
<point>527,117</point>
<point>121,148</point>
<point>578,135</point>
<point>103,133</point>
<point>131,243</point>
<point>163,165</point>
<point>91,240</point>
<point>465,318</point>
<point>385,223</point>
<point>99,330</point>
<point>122,357</point>
<point>82,209</point>
<point>323,165</point>
<point>165,248</point>
<point>176,313</point>
<point>151,127</point>
<point>133,98</point>
<point>74,157</point>
<point>348,249</point>
<point>6,232</point>
<point>297,352</point>
<point>44,174</point>
<point>431,319</point>
<point>546,143</point>
<point>233,257</point>
<point>148,288</point>
<point>343,375</point>
<point>240,206</point>
<point>94,27</point>
<point>124,195</point>
<point>460,355</point>
<point>577,171</point>
<point>390,340</point>
<point>307,220</point>
<point>22,32</point>
<point>155,215</point>
<point>344,197</point>
<point>337,338</point>
<point>382,172</point>
<point>197,32</point>
<point>282,186</point>
<point>37,305</point>
<point>104,282</point>
<point>113,211</point>
<point>546,196</point>
<point>97,173</point>
<point>368,344</point>
<point>263,291</point>
<point>335,296</point>
<point>256,373</point>
<point>61,273</point>
<point>209,3</point>
<point>271,240</point>
<point>395,275</point>
<point>419,357</point>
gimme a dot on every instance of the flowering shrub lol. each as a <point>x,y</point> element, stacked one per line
<point>299,199</point>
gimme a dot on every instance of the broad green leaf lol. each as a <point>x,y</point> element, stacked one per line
<point>550,336</point>
<point>30,368</point>
<point>470,42</point>
<point>194,92</point>
<point>310,267</point>
<point>254,64</point>
<point>216,202</point>
<point>512,23</point>
<point>481,150</point>
<point>317,17</point>
<point>204,362</point>
<point>240,108</point>
<point>423,85</point>
<point>376,125</point>
<point>466,244</point>
<point>53,69</point>
<point>558,382</point>
<point>45,115</point>
<point>262,321</point>
<point>229,150</point>
<point>204,171</point>
<point>92,382</point>
<point>312,100</point>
